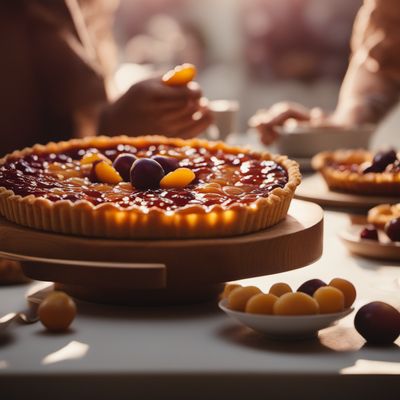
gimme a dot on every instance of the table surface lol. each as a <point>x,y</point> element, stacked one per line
<point>154,348</point>
<point>200,339</point>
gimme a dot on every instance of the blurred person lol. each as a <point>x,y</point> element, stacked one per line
<point>56,79</point>
<point>166,42</point>
<point>297,39</point>
<point>371,86</point>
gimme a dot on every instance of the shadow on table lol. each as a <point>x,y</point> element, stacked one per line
<point>246,337</point>
<point>176,312</point>
<point>6,338</point>
<point>373,264</point>
<point>332,340</point>
<point>377,264</point>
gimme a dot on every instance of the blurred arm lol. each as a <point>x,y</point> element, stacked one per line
<point>372,82</point>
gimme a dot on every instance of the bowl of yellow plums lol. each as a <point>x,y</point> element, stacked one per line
<point>286,314</point>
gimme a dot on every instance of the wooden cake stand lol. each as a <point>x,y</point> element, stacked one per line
<point>163,271</point>
<point>315,189</point>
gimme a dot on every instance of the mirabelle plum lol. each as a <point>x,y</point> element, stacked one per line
<point>347,288</point>
<point>106,173</point>
<point>296,303</point>
<point>239,297</point>
<point>179,178</point>
<point>280,288</point>
<point>90,158</point>
<point>57,311</point>
<point>261,304</point>
<point>180,75</point>
<point>228,289</point>
<point>330,299</point>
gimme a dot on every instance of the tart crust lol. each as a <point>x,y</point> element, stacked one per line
<point>109,220</point>
<point>382,183</point>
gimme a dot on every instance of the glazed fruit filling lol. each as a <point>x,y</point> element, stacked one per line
<point>189,176</point>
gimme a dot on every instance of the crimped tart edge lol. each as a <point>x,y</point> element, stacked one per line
<point>387,184</point>
<point>108,220</point>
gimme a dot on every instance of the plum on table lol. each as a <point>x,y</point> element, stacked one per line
<point>378,323</point>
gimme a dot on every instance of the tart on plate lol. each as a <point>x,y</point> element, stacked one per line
<point>146,187</point>
<point>360,171</point>
<point>380,215</point>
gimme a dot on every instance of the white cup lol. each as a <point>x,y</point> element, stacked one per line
<point>225,113</point>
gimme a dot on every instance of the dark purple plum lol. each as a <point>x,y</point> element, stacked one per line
<point>309,287</point>
<point>370,233</point>
<point>123,164</point>
<point>378,323</point>
<point>146,174</point>
<point>168,164</point>
<point>385,157</point>
<point>393,168</point>
<point>392,229</point>
<point>381,160</point>
<point>371,168</point>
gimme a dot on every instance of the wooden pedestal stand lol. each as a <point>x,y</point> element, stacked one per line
<point>163,271</point>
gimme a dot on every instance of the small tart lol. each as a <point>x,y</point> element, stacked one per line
<point>383,213</point>
<point>234,192</point>
<point>342,171</point>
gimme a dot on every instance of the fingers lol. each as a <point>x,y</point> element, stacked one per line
<point>266,121</point>
<point>268,135</point>
<point>180,113</point>
<point>197,126</point>
<point>190,127</point>
<point>191,91</point>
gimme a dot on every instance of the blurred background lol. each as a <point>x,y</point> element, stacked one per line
<point>255,51</point>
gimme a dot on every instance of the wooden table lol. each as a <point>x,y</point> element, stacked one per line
<point>197,352</point>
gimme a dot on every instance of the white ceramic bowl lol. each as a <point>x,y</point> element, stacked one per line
<point>305,141</point>
<point>285,327</point>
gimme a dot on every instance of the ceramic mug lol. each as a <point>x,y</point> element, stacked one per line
<point>225,113</point>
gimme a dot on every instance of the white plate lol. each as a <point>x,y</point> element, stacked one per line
<point>305,141</point>
<point>285,327</point>
<point>382,250</point>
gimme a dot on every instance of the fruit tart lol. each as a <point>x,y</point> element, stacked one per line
<point>360,171</point>
<point>145,187</point>
<point>381,214</point>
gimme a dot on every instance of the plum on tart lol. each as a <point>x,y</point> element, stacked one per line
<point>360,171</point>
<point>146,187</point>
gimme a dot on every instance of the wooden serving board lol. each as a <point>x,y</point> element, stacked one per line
<point>382,250</point>
<point>314,189</point>
<point>84,265</point>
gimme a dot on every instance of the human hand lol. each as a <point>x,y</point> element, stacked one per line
<point>346,115</point>
<point>266,121</point>
<point>152,107</point>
